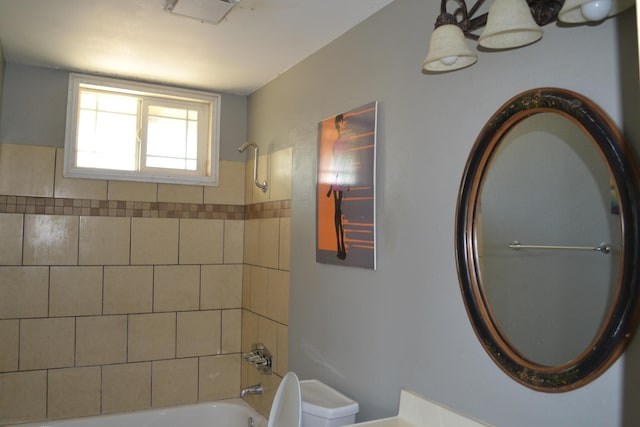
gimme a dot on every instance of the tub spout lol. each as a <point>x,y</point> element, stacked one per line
<point>254,389</point>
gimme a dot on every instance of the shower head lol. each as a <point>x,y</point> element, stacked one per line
<point>245,146</point>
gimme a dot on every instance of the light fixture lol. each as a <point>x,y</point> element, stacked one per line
<point>211,11</point>
<point>508,24</point>
<point>581,11</point>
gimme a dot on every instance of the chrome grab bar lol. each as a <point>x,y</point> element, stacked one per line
<point>604,248</point>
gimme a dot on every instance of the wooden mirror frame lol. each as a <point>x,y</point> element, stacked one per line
<point>624,313</point>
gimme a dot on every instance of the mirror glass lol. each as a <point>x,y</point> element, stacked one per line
<point>548,239</point>
<point>548,185</point>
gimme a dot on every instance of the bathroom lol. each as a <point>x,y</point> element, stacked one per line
<point>367,333</point>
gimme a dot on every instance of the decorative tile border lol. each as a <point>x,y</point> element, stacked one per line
<point>119,208</point>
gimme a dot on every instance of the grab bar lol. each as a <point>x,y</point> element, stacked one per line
<point>604,248</point>
<point>260,185</point>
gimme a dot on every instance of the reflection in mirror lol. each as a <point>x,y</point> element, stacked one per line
<point>548,240</point>
<point>548,185</point>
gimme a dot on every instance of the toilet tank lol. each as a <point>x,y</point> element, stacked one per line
<point>322,406</point>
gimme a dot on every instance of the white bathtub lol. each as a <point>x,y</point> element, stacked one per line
<point>225,413</point>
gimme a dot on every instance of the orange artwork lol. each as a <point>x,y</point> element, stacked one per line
<point>346,188</point>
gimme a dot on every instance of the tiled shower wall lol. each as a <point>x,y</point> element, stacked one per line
<point>116,296</point>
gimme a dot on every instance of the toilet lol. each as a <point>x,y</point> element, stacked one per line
<point>310,403</point>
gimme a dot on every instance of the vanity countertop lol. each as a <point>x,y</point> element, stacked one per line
<point>417,411</point>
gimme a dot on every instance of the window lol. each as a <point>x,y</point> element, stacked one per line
<point>140,132</point>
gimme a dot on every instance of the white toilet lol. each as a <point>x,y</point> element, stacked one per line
<point>287,404</point>
<point>310,403</point>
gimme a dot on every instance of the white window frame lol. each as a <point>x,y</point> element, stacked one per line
<point>208,129</point>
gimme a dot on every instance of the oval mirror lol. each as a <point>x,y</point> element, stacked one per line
<point>548,239</point>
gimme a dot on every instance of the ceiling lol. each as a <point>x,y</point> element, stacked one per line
<point>254,43</point>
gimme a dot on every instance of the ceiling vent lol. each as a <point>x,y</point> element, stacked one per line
<point>211,11</point>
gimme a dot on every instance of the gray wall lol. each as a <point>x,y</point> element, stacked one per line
<point>371,333</point>
<point>35,101</point>
<point>2,65</point>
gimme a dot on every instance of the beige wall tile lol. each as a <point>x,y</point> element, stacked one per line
<point>219,377</point>
<point>176,288</point>
<point>246,286</point>
<point>269,239</point>
<point>9,337</point>
<point>11,238</point>
<point>249,330</point>
<point>201,241</point>
<point>24,292</point>
<point>50,240</point>
<point>126,387</point>
<point>256,194</point>
<point>285,244</point>
<point>104,240</point>
<point>74,392</point>
<point>27,404</point>
<point>258,290</point>
<point>132,191</point>
<point>280,174</point>
<point>101,340</point>
<point>128,289</point>
<point>198,333</point>
<point>27,170</point>
<point>47,343</point>
<point>231,331</point>
<point>278,296</point>
<point>282,353</point>
<point>75,291</point>
<point>233,241</point>
<point>154,240</point>
<point>230,189</point>
<point>180,193</point>
<point>221,286</point>
<point>152,336</point>
<point>175,382</point>
<point>77,188</point>
<point>252,241</point>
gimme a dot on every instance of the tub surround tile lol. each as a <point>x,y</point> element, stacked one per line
<point>278,295</point>
<point>174,382</point>
<point>76,188</point>
<point>128,289</point>
<point>221,286</point>
<point>252,241</point>
<point>11,226</point>
<point>101,340</point>
<point>268,242</point>
<point>230,189</point>
<point>50,240</point>
<point>231,330</point>
<point>27,170</point>
<point>75,291</point>
<point>47,343</point>
<point>134,191</point>
<point>280,174</point>
<point>126,387</point>
<point>176,288</point>
<point>73,392</point>
<point>152,336</point>
<point>282,358</point>
<point>218,377</point>
<point>201,241</point>
<point>233,242</point>
<point>24,396</point>
<point>104,240</point>
<point>180,193</point>
<point>285,244</point>
<point>9,337</point>
<point>258,290</point>
<point>24,292</point>
<point>154,241</point>
<point>249,330</point>
<point>198,333</point>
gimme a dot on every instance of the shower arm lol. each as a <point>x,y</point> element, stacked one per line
<point>242,148</point>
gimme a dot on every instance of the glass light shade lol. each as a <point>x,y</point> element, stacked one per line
<point>581,11</point>
<point>509,25</point>
<point>448,50</point>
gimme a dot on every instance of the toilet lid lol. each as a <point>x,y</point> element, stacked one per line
<point>286,409</point>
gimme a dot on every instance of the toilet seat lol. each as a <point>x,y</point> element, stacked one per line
<point>286,410</point>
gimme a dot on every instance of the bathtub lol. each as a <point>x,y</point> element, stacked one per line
<point>224,413</point>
